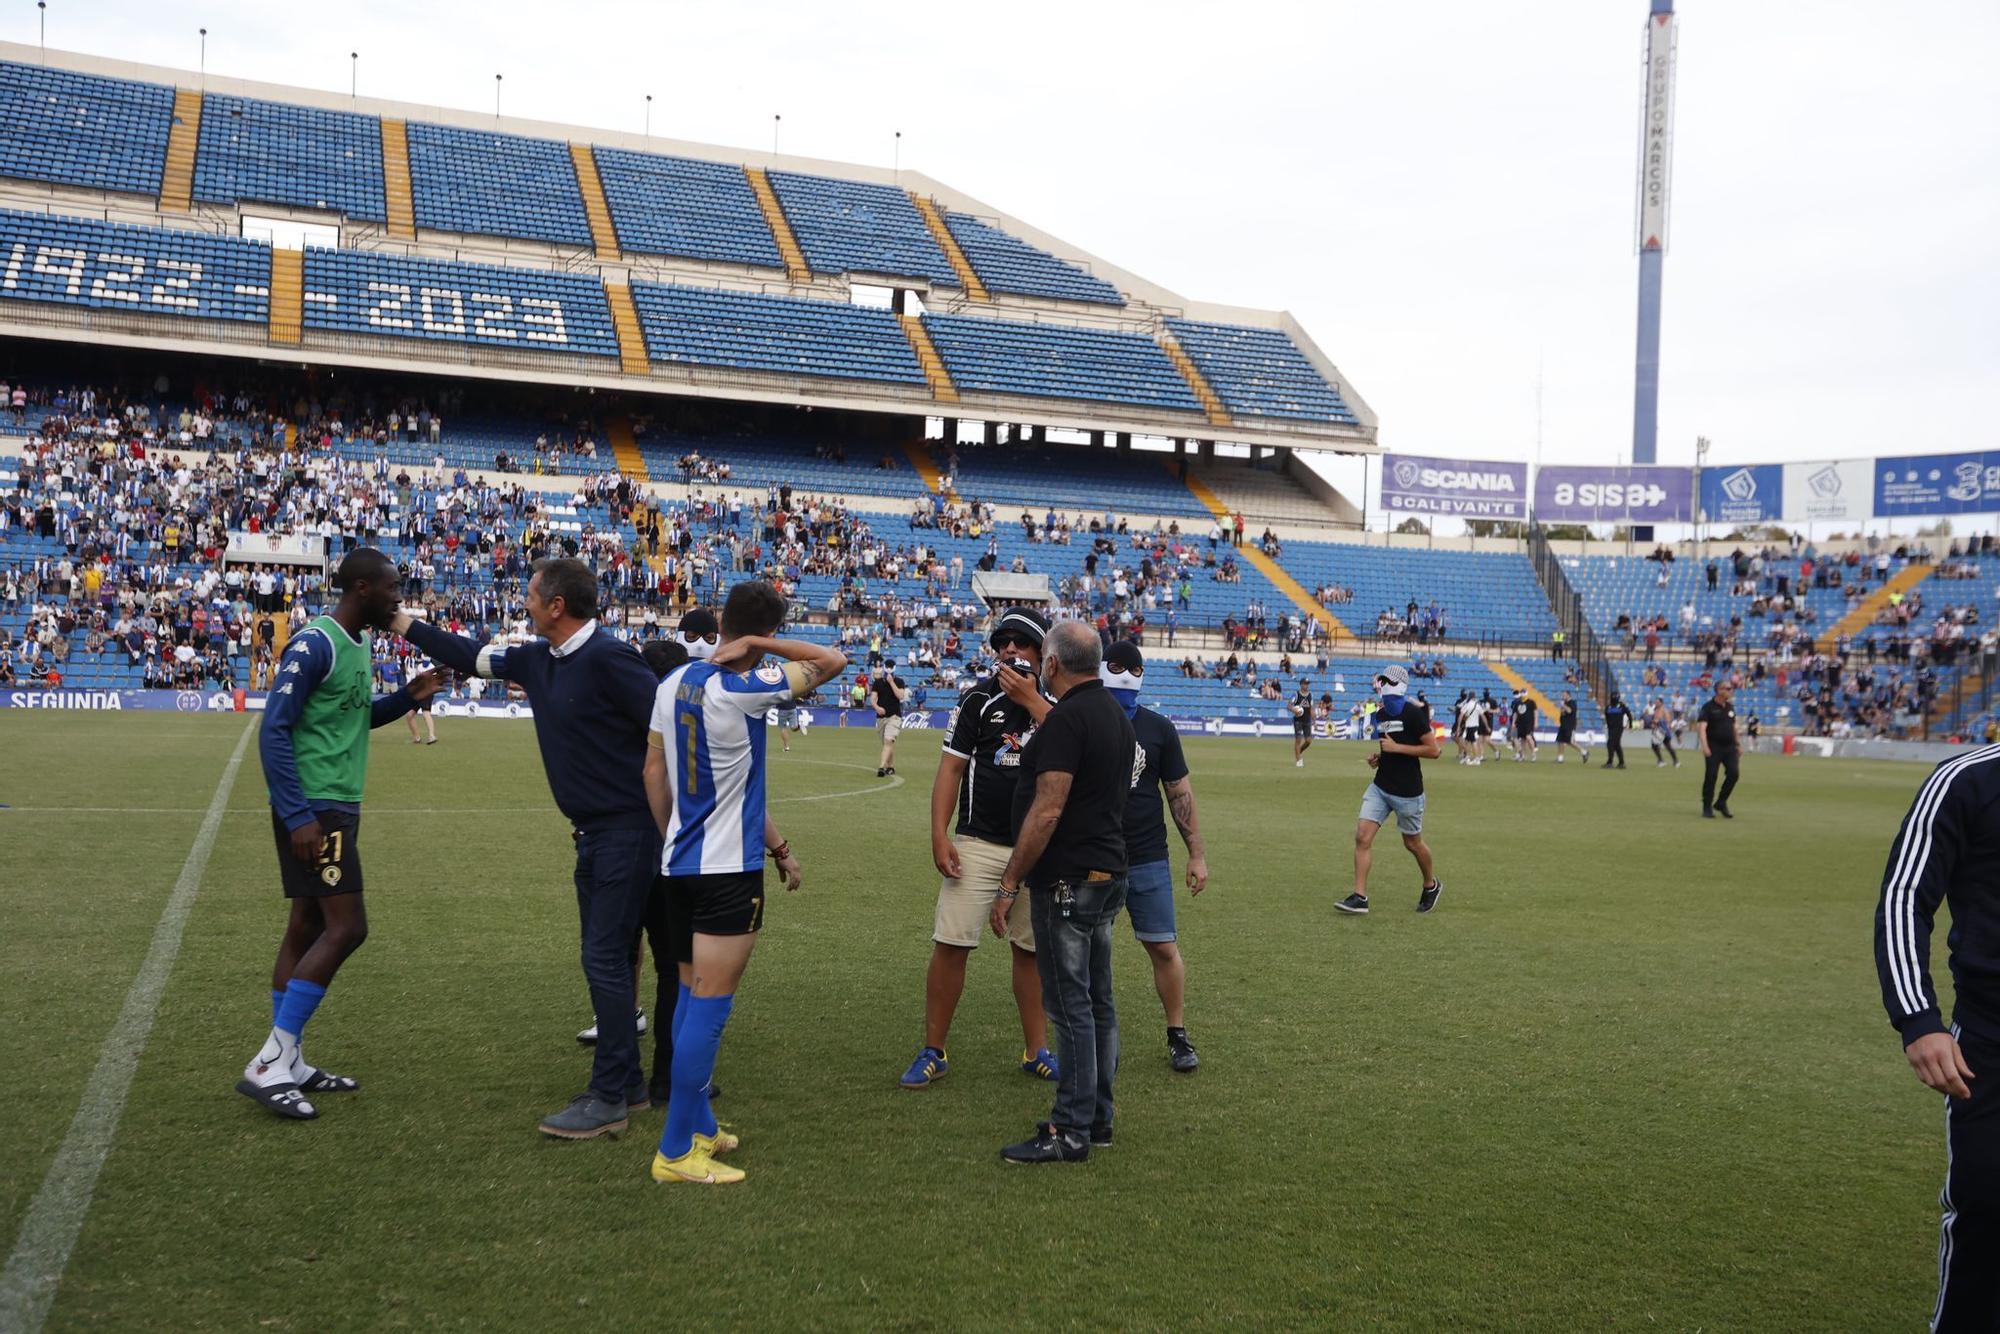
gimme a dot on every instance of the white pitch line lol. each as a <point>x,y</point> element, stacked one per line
<point>49,1233</point>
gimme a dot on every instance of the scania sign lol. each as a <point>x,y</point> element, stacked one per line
<point>1467,488</point>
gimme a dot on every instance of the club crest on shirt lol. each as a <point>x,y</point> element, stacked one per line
<point>330,874</point>
<point>771,675</point>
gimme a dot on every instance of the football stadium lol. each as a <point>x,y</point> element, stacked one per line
<point>767,577</point>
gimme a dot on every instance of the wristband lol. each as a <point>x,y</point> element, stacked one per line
<point>1007,893</point>
<point>779,853</point>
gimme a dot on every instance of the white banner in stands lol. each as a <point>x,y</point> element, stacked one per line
<point>1829,491</point>
<point>277,548</point>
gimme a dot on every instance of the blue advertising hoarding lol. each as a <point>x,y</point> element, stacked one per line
<point>1750,493</point>
<point>1613,495</point>
<point>1464,488</point>
<point>1967,483</point>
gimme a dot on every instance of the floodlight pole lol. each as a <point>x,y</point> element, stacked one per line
<point>1656,130</point>
<point>496,97</point>
<point>42,11</point>
<point>204,60</point>
<point>649,115</point>
<point>776,119</point>
<point>353,75</point>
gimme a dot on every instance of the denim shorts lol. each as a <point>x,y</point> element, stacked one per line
<point>1149,901</point>
<point>1376,805</point>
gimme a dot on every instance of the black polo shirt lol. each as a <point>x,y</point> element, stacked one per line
<point>1402,775</point>
<point>1721,720</point>
<point>884,688</point>
<point>1159,761</point>
<point>1087,736</point>
<point>988,735</point>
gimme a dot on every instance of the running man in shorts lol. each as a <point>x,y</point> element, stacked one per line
<point>1403,728</point>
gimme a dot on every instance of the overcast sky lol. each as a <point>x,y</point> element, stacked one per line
<point>1442,192</point>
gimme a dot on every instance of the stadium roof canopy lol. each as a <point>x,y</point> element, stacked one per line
<point>137,203</point>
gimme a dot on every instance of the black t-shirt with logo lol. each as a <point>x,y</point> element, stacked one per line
<point>884,687</point>
<point>1566,722</point>
<point>988,735</point>
<point>1524,714</point>
<point>1402,775</point>
<point>1721,720</point>
<point>1087,736</point>
<point>1159,761</point>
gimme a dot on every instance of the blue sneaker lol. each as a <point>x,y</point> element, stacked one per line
<point>929,1067</point>
<point>1042,1065</point>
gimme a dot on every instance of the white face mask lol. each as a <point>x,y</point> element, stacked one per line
<point>699,650</point>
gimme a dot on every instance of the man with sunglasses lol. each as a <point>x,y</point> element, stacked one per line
<point>976,778</point>
<point>1403,728</point>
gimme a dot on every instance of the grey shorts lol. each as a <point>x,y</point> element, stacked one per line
<point>1377,804</point>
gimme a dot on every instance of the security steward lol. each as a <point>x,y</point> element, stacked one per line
<point>1715,728</point>
<point>1069,852</point>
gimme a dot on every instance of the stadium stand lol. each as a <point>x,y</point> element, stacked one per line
<point>856,227</point>
<point>1483,594</point>
<point>114,266</point>
<point>1057,361</point>
<point>1129,483</point>
<point>1260,372</point>
<point>273,152</point>
<point>1006,263</point>
<point>701,326</point>
<point>495,185</point>
<point>82,130</point>
<point>362,292</point>
<point>680,206</point>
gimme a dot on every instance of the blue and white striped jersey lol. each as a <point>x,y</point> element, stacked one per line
<point>710,722</point>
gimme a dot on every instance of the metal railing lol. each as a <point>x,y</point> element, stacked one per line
<point>1580,641</point>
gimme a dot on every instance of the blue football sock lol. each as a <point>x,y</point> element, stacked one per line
<point>680,1012</point>
<point>301,999</point>
<point>695,1048</point>
<point>277,1002</point>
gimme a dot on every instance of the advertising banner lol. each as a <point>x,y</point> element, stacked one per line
<point>1832,491</point>
<point>1938,484</point>
<point>1752,493</point>
<point>1613,495</point>
<point>1465,488</point>
<point>277,548</point>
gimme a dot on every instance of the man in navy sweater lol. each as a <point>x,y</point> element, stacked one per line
<point>592,694</point>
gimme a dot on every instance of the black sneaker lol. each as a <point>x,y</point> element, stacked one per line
<point>1723,811</point>
<point>1428,899</point>
<point>1707,814</point>
<point>1181,1052</point>
<point>1354,903</point>
<point>1100,1134</point>
<point>1049,1145</point>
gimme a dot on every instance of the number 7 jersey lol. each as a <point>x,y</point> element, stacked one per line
<point>710,723</point>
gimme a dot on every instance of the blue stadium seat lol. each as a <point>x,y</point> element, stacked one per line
<point>1008,264</point>
<point>532,310</point>
<point>664,205</point>
<point>495,185</point>
<point>1057,361</point>
<point>1260,372</point>
<point>1481,593</point>
<point>78,129</point>
<point>854,227</point>
<point>143,270</point>
<point>706,327</point>
<point>273,152</point>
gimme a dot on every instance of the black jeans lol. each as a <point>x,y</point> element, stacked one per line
<point>615,869</point>
<point>1725,760</point>
<point>1073,956</point>
<point>1969,1241</point>
<point>1614,747</point>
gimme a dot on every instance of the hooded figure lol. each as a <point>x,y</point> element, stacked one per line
<point>699,634</point>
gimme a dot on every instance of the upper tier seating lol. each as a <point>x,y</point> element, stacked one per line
<point>1260,372</point>
<point>495,185</point>
<point>535,310</point>
<point>680,206</point>
<point>150,270</point>
<point>704,327</point>
<point>854,227</point>
<point>1035,477</point>
<point>273,152</point>
<point>1055,361</point>
<point>757,462</point>
<point>1008,264</point>
<point>78,129</point>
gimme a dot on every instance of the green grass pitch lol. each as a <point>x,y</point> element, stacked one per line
<point>1633,1074</point>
